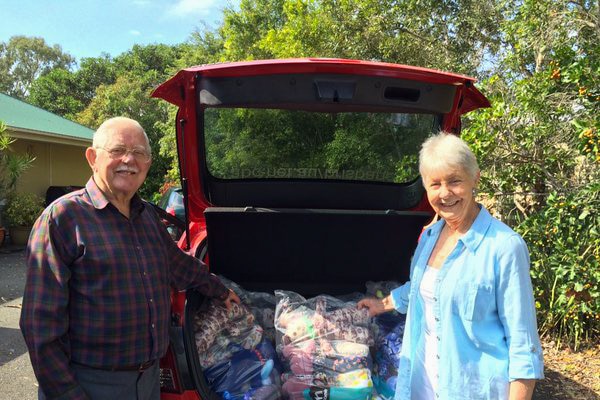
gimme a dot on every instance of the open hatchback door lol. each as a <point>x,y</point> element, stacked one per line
<point>301,175</point>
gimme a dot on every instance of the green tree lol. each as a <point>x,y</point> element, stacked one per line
<point>57,92</point>
<point>24,59</point>
<point>539,149</point>
<point>452,35</point>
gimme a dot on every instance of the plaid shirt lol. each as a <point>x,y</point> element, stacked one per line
<point>98,288</point>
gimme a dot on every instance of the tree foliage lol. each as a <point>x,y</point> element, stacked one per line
<point>539,148</point>
<point>66,93</point>
<point>25,59</point>
<point>456,35</point>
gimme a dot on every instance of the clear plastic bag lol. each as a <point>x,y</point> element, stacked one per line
<point>219,332</point>
<point>389,330</point>
<point>247,374</point>
<point>325,343</point>
<point>261,304</point>
<point>388,343</point>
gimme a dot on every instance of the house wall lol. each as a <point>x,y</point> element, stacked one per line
<point>54,165</point>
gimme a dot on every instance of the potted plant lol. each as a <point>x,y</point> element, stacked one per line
<point>11,167</point>
<point>22,209</point>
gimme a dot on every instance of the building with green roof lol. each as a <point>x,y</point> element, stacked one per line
<point>57,144</point>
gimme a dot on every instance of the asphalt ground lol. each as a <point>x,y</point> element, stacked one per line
<point>16,375</point>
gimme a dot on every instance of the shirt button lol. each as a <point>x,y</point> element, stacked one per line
<point>533,349</point>
<point>438,338</point>
<point>144,273</point>
<point>152,326</point>
<point>437,356</point>
<point>151,300</point>
<point>435,299</point>
<point>437,319</point>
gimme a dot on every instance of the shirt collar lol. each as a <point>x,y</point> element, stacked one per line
<point>96,196</point>
<point>100,201</point>
<point>477,231</point>
<point>474,235</point>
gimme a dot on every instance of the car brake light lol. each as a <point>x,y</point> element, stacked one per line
<point>169,379</point>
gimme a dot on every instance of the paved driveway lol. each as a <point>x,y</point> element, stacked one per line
<point>16,375</point>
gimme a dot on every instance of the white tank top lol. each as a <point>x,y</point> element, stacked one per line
<point>425,374</point>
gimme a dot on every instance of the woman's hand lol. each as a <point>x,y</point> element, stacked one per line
<point>376,306</point>
<point>231,298</point>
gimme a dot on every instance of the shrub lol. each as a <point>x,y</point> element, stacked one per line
<point>11,165</point>
<point>564,242</point>
<point>23,209</point>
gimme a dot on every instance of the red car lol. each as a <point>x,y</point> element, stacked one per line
<point>301,174</point>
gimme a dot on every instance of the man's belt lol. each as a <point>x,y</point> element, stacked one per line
<point>138,367</point>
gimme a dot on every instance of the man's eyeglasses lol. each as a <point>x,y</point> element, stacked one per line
<point>119,152</point>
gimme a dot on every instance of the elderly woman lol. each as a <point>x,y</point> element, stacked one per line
<point>471,328</point>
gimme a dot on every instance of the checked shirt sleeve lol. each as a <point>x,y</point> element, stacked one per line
<point>188,272</point>
<point>44,315</point>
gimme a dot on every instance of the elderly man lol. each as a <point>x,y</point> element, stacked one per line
<point>100,265</point>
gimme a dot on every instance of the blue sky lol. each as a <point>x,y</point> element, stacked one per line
<point>87,28</point>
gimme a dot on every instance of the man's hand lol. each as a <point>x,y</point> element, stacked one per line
<point>231,298</point>
<point>376,306</point>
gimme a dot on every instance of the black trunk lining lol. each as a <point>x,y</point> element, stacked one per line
<point>311,251</point>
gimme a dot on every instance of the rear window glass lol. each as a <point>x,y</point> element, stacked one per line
<point>244,143</point>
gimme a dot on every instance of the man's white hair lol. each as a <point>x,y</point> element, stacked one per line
<point>444,151</point>
<point>101,135</point>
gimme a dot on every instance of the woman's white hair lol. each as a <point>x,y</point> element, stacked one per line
<point>101,134</point>
<point>444,151</point>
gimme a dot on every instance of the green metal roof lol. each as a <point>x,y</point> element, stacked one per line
<point>19,115</point>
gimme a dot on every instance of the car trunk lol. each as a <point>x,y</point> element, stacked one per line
<point>289,205</point>
<point>308,251</point>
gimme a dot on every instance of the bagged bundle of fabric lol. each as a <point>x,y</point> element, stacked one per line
<point>239,363</point>
<point>388,331</point>
<point>325,345</point>
<point>219,333</point>
<point>261,304</point>
<point>388,343</point>
<point>250,374</point>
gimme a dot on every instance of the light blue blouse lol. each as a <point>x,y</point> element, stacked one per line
<point>484,310</point>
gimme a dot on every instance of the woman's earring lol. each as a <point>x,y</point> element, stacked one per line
<point>474,192</point>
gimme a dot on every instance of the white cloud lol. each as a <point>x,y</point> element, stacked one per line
<point>134,32</point>
<point>184,8</point>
